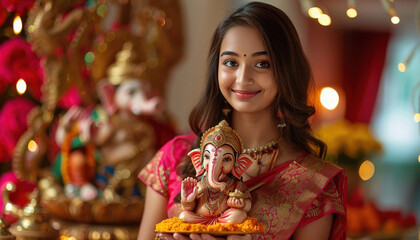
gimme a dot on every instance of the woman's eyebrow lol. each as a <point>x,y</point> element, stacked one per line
<point>237,55</point>
<point>229,53</point>
<point>259,53</point>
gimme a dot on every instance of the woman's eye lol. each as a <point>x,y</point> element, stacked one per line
<point>227,159</point>
<point>230,63</point>
<point>263,65</point>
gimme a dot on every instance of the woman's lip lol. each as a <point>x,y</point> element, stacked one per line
<point>245,94</point>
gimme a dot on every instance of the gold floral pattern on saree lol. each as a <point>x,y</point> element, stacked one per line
<point>155,176</point>
<point>281,203</point>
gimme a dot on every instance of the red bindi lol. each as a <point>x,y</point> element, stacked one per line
<point>244,54</point>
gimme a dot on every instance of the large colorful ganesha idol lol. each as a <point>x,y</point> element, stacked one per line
<point>217,201</point>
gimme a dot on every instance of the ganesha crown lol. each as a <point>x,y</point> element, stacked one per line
<point>222,134</point>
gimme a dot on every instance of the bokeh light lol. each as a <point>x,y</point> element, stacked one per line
<point>351,13</point>
<point>102,10</point>
<point>324,20</point>
<point>366,170</point>
<point>89,57</point>
<point>315,12</point>
<point>395,19</point>
<point>21,86</point>
<point>401,67</point>
<point>32,146</point>
<point>329,98</point>
<point>17,25</point>
<point>416,117</point>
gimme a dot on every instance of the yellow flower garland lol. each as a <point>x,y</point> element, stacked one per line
<point>175,224</point>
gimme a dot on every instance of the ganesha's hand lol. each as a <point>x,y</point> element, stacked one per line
<point>189,189</point>
<point>85,128</point>
<point>235,202</point>
<point>71,117</point>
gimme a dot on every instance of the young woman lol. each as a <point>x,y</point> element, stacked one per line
<point>258,75</point>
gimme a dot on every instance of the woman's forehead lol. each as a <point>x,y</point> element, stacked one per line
<point>241,39</point>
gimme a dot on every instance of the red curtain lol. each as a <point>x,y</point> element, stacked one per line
<point>364,56</point>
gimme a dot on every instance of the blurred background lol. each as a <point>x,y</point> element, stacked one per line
<point>365,59</point>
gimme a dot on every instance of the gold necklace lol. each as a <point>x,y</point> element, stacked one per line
<point>264,149</point>
<point>258,153</point>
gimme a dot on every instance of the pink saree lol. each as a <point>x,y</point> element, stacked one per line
<point>283,199</point>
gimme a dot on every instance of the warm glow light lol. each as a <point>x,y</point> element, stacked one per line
<point>8,207</point>
<point>395,20</point>
<point>329,98</point>
<point>418,158</point>
<point>366,170</point>
<point>324,20</point>
<point>17,25</point>
<point>21,86</point>
<point>416,117</point>
<point>351,13</point>
<point>32,146</point>
<point>315,12</point>
<point>401,67</point>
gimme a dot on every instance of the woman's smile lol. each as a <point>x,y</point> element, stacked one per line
<point>243,94</point>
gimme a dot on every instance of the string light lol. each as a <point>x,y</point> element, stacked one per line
<point>315,12</point>
<point>21,86</point>
<point>329,98</point>
<point>395,20</point>
<point>17,25</point>
<point>389,7</point>
<point>351,13</point>
<point>324,20</point>
<point>366,170</point>
<point>402,66</point>
<point>416,117</point>
<point>351,9</point>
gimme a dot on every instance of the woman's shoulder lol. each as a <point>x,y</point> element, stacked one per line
<point>177,147</point>
<point>313,163</point>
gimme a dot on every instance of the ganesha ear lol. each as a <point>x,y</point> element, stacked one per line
<point>106,92</point>
<point>195,156</point>
<point>242,164</point>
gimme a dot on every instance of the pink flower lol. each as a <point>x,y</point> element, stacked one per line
<point>3,85</point>
<point>13,123</point>
<point>19,6</point>
<point>19,197</point>
<point>70,98</point>
<point>2,16</point>
<point>17,60</point>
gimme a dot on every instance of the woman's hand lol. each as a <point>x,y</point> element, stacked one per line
<point>195,236</point>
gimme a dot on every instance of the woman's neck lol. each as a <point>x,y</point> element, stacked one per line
<point>255,129</point>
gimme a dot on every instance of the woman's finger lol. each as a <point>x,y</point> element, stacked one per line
<point>239,237</point>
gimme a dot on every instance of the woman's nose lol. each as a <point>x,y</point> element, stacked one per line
<point>244,75</point>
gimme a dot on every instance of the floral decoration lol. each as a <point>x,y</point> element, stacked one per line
<point>19,6</point>
<point>13,119</point>
<point>348,143</point>
<point>17,60</point>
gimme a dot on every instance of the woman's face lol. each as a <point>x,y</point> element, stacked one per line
<point>246,78</point>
